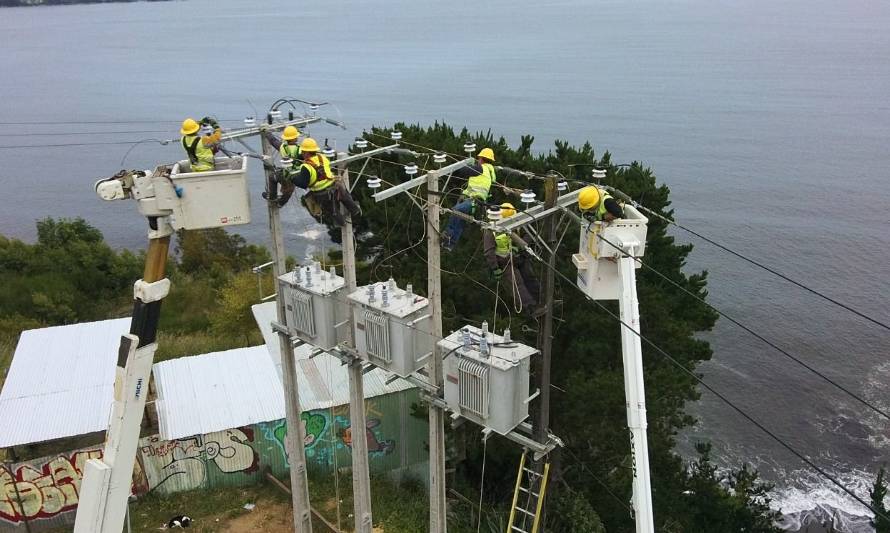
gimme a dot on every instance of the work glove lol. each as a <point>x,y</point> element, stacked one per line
<point>497,273</point>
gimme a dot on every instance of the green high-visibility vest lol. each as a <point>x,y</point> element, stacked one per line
<point>601,208</point>
<point>316,182</point>
<point>503,244</point>
<point>200,157</point>
<point>479,185</point>
<point>289,151</point>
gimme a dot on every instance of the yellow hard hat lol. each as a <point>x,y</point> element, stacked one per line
<point>189,126</point>
<point>588,198</point>
<point>487,153</point>
<point>290,133</point>
<point>507,210</point>
<point>308,145</point>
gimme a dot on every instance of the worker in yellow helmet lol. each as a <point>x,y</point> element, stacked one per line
<point>598,205</point>
<point>510,265</point>
<point>480,177</point>
<point>325,191</point>
<point>200,140</point>
<point>289,149</point>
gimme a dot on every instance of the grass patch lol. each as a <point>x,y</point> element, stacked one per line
<point>7,348</point>
<point>173,345</point>
<point>211,510</point>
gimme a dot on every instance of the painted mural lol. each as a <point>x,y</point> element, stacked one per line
<point>327,447</point>
<point>49,487</point>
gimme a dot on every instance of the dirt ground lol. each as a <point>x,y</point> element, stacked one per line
<point>266,517</point>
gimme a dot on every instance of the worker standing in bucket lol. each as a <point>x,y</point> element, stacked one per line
<point>479,176</point>
<point>200,142</point>
<point>509,264</point>
<point>326,192</point>
<point>598,205</point>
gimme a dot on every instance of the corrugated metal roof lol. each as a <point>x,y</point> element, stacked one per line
<point>216,391</point>
<point>235,388</point>
<point>61,382</point>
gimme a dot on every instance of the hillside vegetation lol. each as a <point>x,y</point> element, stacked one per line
<point>71,275</point>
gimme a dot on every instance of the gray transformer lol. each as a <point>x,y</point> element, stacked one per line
<point>392,327</point>
<point>315,304</point>
<point>488,385</point>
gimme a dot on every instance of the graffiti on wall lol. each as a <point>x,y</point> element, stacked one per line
<point>376,444</point>
<point>314,426</point>
<point>46,487</point>
<point>185,464</point>
<point>49,487</point>
<point>321,446</point>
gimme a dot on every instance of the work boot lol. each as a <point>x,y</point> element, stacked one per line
<point>356,213</point>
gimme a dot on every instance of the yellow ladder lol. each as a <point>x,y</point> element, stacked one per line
<point>525,516</point>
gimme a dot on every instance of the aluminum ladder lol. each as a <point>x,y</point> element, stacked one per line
<point>531,486</point>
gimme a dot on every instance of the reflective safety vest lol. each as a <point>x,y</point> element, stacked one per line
<point>600,211</point>
<point>319,182</point>
<point>503,244</point>
<point>479,185</point>
<point>289,151</point>
<point>200,157</point>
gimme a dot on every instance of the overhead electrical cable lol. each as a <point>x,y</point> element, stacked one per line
<point>751,331</point>
<point>765,267</point>
<point>723,398</point>
<point>597,479</point>
<point>78,122</point>
<point>70,133</point>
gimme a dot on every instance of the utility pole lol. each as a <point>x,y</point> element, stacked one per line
<point>434,368</point>
<point>545,337</point>
<point>361,480</point>
<point>296,452</point>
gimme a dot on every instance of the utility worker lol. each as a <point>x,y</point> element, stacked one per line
<point>509,264</point>
<point>479,176</point>
<point>289,148</point>
<point>598,205</point>
<point>199,148</point>
<point>326,193</point>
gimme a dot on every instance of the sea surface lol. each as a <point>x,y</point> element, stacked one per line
<point>770,121</point>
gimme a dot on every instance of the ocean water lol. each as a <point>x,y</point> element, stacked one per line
<point>770,121</point>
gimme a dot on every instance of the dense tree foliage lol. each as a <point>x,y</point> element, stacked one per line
<point>588,409</point>
<point>70,275</point>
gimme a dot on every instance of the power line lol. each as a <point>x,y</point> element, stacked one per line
<point>723,398</point>
<point>78,122</point>
<point>764,267</point>
<point>750,331</point>
<point>736,322</point>
<point>597,479</point>
<point>60,145</point>
<point>69,133</point>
